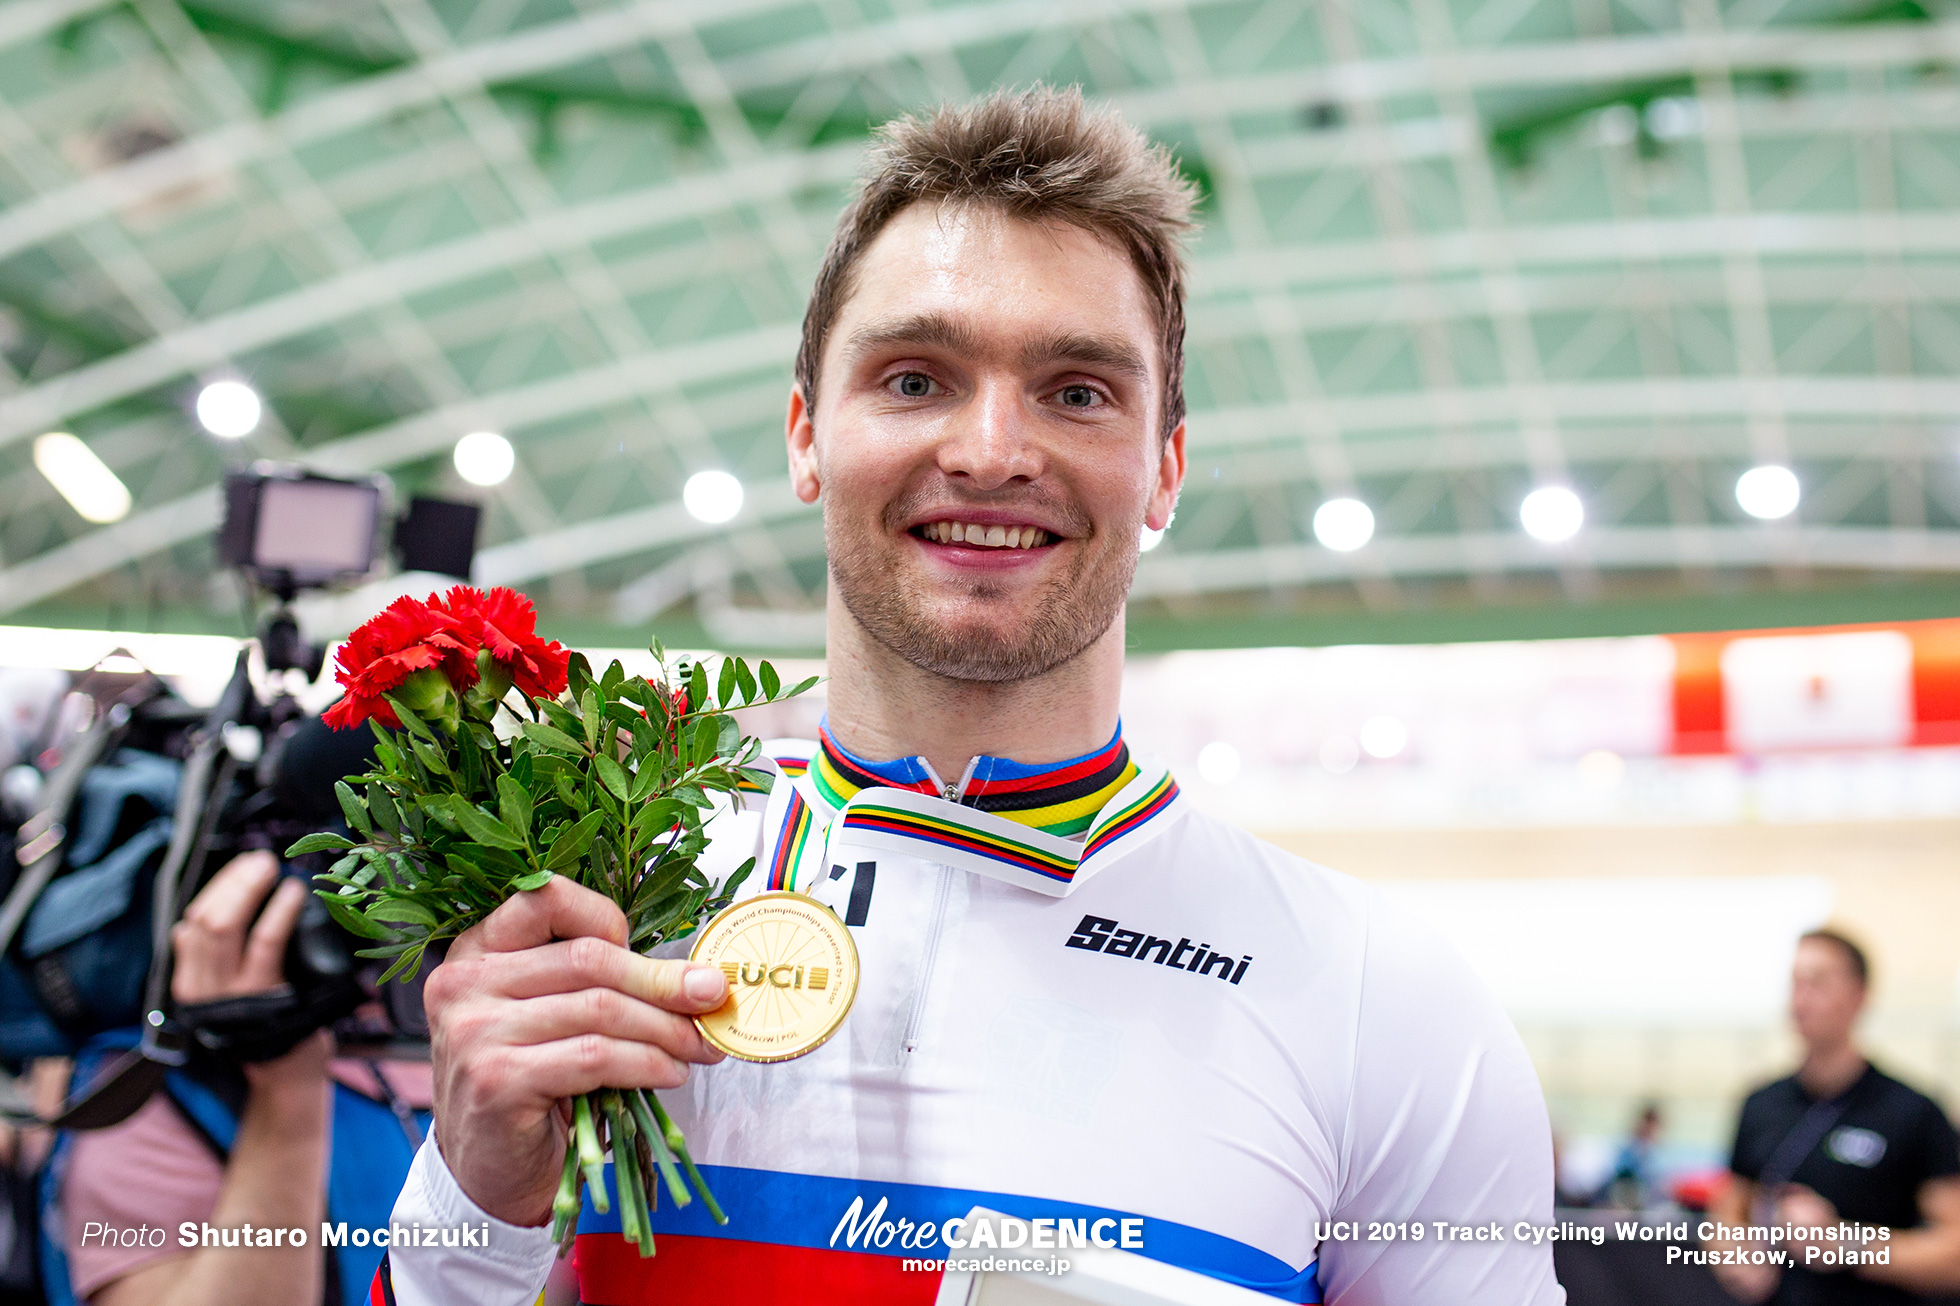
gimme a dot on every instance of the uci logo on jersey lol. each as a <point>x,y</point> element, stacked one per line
<point>1100,934</point>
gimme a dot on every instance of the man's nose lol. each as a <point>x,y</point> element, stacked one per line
<point>991,440</point>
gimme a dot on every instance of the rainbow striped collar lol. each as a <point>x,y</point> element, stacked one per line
<point>1058,798</point>
<point>1040,827</point>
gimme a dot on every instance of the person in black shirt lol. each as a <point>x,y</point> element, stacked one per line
<point>1849,1158</point>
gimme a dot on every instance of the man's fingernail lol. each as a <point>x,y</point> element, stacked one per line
<point>702,983</point>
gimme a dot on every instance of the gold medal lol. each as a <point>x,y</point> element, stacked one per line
<point>792,970</point>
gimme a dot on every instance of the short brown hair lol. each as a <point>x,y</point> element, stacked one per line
<point>1040,155</point>
<point>1854,955</point>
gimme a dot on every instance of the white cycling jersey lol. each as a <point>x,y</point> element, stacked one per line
<point>1125,1011</point>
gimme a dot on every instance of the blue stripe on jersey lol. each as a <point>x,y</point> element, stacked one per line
<point>799,1210</point>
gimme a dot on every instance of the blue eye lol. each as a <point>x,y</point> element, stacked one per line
<point>1079,396</point>
<point>914,385</point>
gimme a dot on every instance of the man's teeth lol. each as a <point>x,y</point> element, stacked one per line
<point>985,537</point>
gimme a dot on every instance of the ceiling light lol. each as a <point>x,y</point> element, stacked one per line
<point>81,478</point>
<point>229,409</point>
<point>1383,737</point>
<point>1343,525</point>
<point>1218,763</point>
<point>1338,754</point>
<point>485,458</point>
<point>1552,513</point>
<point>1768,492</point>
<point>714,497</point>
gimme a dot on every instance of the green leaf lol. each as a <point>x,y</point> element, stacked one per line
<point>644,780</point>
<point>535,880</point>
<point>382,809</point>
<point>319,843</point>
<point>745,681</point>
<point>701,743</point>
<point>570,845</point>
<point>588,706</point>
<point>725,683</point>
<point>353,809</point>
<point>771,682</point>
<point>697,687</point>
<point>557,714</point>
<point>735,878</point>
<point>484,828</point>
<point>352,921</point>
<point>656,818</point>
<point>513,804</point>
<point>807,684</point>
<point>578,673</point>
<point>430,757</point>
<point>612,776</point>
<point>610,682</point>
<point>548,737</point>
<point>416,725</point>
<point>405,910</point>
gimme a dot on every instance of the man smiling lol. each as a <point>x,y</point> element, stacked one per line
<point>1080,1000</point>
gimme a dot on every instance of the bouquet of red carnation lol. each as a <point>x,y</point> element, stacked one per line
<point>502,761</point>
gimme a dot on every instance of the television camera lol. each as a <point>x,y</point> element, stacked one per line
<point>154,796</point>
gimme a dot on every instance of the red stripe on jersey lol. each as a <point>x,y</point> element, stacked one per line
<point>689,1271</point>
<point>382,1291</point>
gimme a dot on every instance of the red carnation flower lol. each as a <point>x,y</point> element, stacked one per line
<point>506,624</point>
<point>407,637</point>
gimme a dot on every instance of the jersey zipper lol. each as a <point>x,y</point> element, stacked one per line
<point>938,926</point>
<point>951,793</point>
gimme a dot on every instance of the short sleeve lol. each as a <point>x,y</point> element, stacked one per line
<point>1940,1152</point>
<point>1446,1126</point>
<point>151,1171</point>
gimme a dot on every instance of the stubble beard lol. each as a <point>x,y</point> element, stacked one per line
<point>1070,614</point>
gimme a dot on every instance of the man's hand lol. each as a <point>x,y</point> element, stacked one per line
<point>1745,1283</point>
<point>541,1002</point>
<point>222,953</point>
<point>275,1176</point>
<point>1801,1208</point>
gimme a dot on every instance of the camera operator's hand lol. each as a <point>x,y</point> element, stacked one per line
<point>540,1002</point>
<point>275,1176</point>
<point>221,952</point>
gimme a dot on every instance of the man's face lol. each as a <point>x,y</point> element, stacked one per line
<point>1825,995</point>
<point>987,441</point>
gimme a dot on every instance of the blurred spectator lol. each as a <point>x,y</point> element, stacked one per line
<point>1841,1142</point>
<point>1632,1184</point>
<point>172,1162</point>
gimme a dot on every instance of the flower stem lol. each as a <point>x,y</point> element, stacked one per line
<point>677,1144</point>
<point>626,1170</point>
<point>658,1146</point>
<point>564,1207</point>
<point>590,1158</point>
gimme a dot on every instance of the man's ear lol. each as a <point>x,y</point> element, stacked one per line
<point>1170,479</point>
<point>801,437</point>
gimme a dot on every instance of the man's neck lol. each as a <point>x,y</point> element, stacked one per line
<point>882,707</point>
<point>1828,1071</point>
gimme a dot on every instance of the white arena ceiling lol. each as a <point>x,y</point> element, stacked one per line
<point>1453,250</point>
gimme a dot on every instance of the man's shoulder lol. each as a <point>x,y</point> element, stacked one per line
<point>1332,912</point>
<point>1778,1097</point>
<point>1235,860</point>
<point>1904,1102</point>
